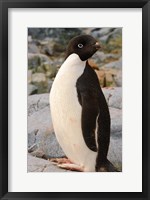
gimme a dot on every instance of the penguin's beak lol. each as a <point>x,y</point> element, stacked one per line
<point>97,45</point>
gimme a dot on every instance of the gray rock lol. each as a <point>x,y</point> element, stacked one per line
<point>32,89</point>
<point>98,33</point>
<point>29,74</point>
<point>29,38</point>
<point>50,70</point>
<point>118,78</point>
<point>106,34</point>
<point>39,78</point>
<point>47,46</point>
<point>115,151</point>
<point>113,97</point>
<point>32,48</point>
<point>104,38</point>
<point>32,138</point>
<point>43,42</point>
<point>58,62</point>
<point>40,128</point>
<point>48,143</point>
<point>116,33</point>
<point>35,60</point>
<point>50,82</point>
<point>115,100</point>
<point>37,103</point>
<point>32,148</point>
<point>52,168</point>
<point>42,69</point>
<point>116,64</point>
<point>104,31</point>
<point>40,119</point>
<point>41,165</point>
<point>61,34</point>
<point>101,56</point>
<point>40,81</point>
<point>116,121</point>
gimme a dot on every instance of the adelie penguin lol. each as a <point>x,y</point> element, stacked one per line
<point>80,114</point>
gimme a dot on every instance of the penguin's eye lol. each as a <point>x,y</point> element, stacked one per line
<point>80,46</point>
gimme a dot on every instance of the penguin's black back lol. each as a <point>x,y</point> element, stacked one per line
<point>95,113</point>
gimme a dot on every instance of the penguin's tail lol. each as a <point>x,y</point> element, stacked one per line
<point>107,166</point>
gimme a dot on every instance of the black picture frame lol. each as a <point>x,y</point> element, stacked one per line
<point>4,6</point>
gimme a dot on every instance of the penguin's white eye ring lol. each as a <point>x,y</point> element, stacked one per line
<point>80,46</point>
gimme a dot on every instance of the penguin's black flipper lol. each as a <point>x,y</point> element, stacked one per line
<point>95,114</point>
<point>88,121</point>
<point>88,96</point>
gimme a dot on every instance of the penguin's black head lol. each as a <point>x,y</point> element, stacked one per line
<point>83,45</point>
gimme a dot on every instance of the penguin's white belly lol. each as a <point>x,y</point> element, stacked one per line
<point>66,114</point>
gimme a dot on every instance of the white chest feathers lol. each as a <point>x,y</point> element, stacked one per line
<point>63,95</point>
<point>66,113</point>
<point>72,68</point>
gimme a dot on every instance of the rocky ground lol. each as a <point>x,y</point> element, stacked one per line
<point>42,142</point>
<point>46,53</point>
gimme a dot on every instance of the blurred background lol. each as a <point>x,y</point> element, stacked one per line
<point>46,53</point>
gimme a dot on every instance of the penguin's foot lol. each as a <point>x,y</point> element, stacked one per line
<point>65,163</point>
<point>71,167</point>
<point>57,161</point>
